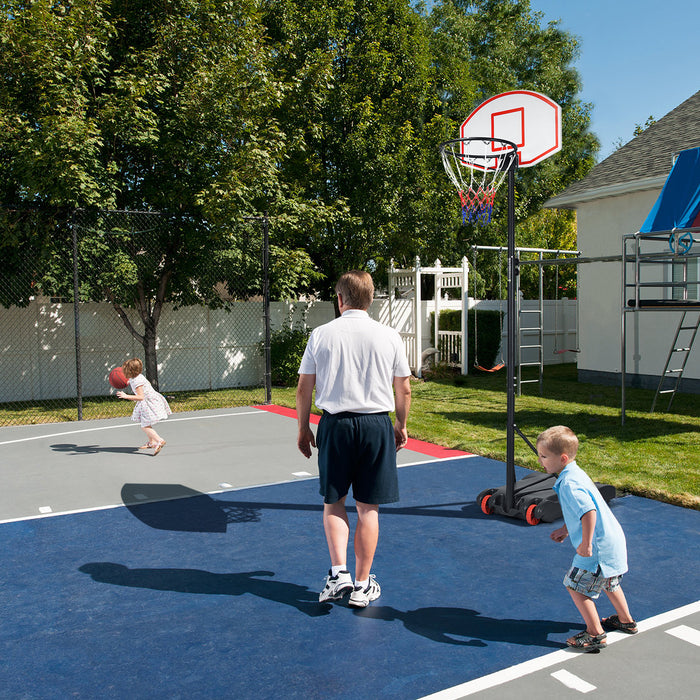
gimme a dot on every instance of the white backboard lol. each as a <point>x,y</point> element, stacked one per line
<point>530,120</point>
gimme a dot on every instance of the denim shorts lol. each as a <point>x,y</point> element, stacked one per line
<point>358,450</point>
<point>590,584</point>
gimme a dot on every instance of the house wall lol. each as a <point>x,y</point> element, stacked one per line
<point>601,225</point>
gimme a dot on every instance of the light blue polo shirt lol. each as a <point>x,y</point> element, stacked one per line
<point>577,496</point>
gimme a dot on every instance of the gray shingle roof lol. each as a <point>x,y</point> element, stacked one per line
<point>642,163</point>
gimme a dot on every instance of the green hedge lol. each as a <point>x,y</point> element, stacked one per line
<point>286,349</point>
<point>488,329</point>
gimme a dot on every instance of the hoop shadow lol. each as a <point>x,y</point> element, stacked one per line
<point>182,509</point>
<point>207,583</point>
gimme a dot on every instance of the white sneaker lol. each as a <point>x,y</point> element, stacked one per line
<point>362,597</point>
<point>336,586</point>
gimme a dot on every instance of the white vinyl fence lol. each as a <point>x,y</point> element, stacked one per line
<point>198,348</point>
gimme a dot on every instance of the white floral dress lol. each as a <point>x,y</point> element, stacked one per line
<point>154,406</point>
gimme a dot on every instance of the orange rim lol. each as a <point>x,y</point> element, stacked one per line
<point>529,517</point>
<point>485,505</point>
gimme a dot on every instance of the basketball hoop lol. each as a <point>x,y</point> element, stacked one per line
<point>477,167</point>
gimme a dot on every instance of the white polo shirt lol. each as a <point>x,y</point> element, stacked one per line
<point>355,360</point>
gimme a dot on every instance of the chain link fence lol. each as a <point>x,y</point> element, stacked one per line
<point>83,291</point>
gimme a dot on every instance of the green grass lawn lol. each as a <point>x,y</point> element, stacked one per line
<point>654,455</point>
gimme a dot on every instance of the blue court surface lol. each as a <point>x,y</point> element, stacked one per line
<point>206,596</point>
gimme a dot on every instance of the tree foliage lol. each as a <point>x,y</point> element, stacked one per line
<point>325,113</point>
<point>142,105</point>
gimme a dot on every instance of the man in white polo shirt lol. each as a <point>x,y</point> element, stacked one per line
<point>361,373</point>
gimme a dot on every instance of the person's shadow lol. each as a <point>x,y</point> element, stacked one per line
<point>468,628</point>
<point>208,583</point>
<point>74,449</point>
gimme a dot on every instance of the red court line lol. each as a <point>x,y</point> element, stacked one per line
<point>425,448</point>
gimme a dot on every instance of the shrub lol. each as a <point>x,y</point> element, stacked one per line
<point>488,329</point>
<point>286,349</point>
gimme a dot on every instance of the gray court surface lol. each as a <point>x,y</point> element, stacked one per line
<point>661,661</point>
<point>63,467</point>
<point>51,469</point>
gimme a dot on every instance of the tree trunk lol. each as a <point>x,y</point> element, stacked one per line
<point>150,359</point>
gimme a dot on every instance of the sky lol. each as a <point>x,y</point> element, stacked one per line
<point>637,59</point>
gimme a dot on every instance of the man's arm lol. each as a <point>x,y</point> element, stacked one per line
<point>585,549</point>
<point>402,389</point>
<point>305,390</point>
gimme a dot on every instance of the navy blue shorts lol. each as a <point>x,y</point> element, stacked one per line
<point>358,450</point>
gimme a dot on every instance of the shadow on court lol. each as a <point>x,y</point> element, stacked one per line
<point>455,625</point>
<point>207,583</point>
<point>74,449</point>
<point>179,508</point>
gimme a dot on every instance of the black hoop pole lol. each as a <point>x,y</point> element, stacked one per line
<point>513,271</point>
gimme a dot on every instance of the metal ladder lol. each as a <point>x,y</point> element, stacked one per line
<point>682,352</point>
<point>535,326</point>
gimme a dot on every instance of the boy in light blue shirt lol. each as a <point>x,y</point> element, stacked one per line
<point>601,550</point>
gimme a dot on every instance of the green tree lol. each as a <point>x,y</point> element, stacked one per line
<point>554,230</point>
<point>360,92</point>
<point>503,46</point>
<point>373,88</point>
<point>142,105</point>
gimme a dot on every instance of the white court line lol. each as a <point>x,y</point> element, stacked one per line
<point>572,681</point>
<point>430,460</point>
<point>556,657</point>
<point>128,425</point>
<point>687,634</point>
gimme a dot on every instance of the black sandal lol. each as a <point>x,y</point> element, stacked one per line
<point>583,641</point>
<point>613,623</point>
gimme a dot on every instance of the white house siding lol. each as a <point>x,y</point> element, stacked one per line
<point>601,226</point>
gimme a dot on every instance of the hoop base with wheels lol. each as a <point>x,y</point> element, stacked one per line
<point>534,499</point>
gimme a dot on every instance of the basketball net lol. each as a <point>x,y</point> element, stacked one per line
<point>477,167</point>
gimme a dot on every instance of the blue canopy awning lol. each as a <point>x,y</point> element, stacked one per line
<point>678,205</point>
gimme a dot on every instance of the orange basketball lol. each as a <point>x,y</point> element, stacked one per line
<point>117,378</point>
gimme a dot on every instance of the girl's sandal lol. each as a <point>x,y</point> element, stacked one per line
<point>583,641</point>
<point>147,446</point>
<point>613,623</point>
<point>159,447</point>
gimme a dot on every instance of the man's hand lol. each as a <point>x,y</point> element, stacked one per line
<point>305,390</point>
<point>305,441</point>
<point>402,391</point>
<point>400,437</point>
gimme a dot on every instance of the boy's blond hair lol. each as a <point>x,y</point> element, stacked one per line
<point>133,367</point>
<point>560,440</point>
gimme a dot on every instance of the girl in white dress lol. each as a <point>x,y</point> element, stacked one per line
<point>150,407</point>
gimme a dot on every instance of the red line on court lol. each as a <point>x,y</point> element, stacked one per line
<point>425,448</point>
